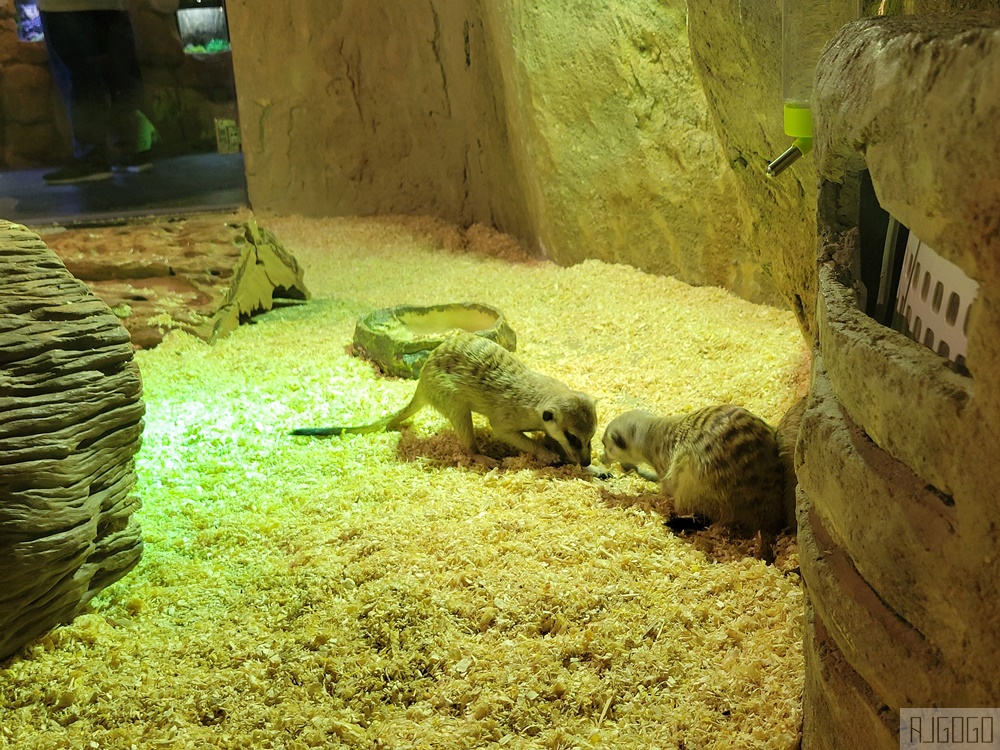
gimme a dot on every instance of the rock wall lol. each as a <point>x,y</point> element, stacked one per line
<point>614,135</point>
<point>633,132</point>
<point>374,108</point>
<point>736,48</point>
<point>28,131</point>
<point>899,486</point>
<point>580,129</point>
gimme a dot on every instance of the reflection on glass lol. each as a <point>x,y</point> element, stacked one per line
<point>202,24</point>
<point>189,119</point>
<point>29,25</point>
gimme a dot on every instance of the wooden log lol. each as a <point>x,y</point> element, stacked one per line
<point>70,425</point>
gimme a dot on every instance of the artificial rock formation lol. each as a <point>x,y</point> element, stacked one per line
<point>631,132</point>
<point>203,275</point>
<point>581,130</point>
<point>70,425</point>
<point>897,464</point>
<point>736,48</point>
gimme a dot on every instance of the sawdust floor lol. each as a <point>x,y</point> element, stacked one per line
<point>381,592</point>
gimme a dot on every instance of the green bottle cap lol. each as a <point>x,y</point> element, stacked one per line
<point>798,121</point>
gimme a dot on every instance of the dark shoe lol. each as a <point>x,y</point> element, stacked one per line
<point>133,162</point>
<point>78,171</point>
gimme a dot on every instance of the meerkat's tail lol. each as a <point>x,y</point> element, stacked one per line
<point>324,431</point>
<point>387,423</point>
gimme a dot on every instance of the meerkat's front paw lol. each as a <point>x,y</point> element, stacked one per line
<point>485,461</point>
<point>547,457</point>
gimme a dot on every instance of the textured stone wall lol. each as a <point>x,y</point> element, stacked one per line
<point>736,47</point>
<point>582,129</point>
<point>613,131</point>
<point>899,486</point>
<point>374,108</point>
<point>28,130</point>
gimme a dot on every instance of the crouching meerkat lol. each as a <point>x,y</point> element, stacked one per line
<point>720,462</point>
<point>467,373</point>
<point>788,435</point>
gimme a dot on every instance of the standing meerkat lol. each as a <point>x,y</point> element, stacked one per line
<point>467,373</point>
<point>720,462</point>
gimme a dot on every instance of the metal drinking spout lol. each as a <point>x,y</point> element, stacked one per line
<point>799,147</point>
<point>805,28</point>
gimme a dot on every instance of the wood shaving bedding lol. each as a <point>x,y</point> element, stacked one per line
<point>382,591</point>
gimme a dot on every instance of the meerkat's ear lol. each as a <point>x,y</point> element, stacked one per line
<point>550,410</point>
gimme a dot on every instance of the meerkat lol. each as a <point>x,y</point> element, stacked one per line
<point>788,435</point>
<point>467,373</point>
<point>720,462</point>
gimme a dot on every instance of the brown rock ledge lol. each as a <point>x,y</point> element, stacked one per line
<point>204,274</point>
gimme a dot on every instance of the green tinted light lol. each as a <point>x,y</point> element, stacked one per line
<point>798,121</point>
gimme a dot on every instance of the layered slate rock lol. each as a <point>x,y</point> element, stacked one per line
<point>897,461</point>
<point>70,425</point>
<point>203,275</point>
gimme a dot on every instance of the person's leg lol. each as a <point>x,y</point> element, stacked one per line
<point>125,88</point>
<point>123,77</point>
<point>73,43</point>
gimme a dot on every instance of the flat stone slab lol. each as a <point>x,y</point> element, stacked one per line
<point>204,275</point>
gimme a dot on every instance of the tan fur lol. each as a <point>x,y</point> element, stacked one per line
<point>720,462</point>
<point>788,436</point>
<point>468,373</point>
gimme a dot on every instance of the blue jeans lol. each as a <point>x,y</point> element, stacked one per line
<point>96,70</point>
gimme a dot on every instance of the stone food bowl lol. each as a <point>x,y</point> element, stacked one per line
<point>399,339</point>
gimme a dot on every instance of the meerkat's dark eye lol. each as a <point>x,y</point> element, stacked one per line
<point>574,441</point>
<point>619,441</point>
<point>547,416</point>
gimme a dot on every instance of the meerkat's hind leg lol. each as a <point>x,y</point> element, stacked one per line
<point>416,404</point>
<point>680,484</point>
<point>460,417</point>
